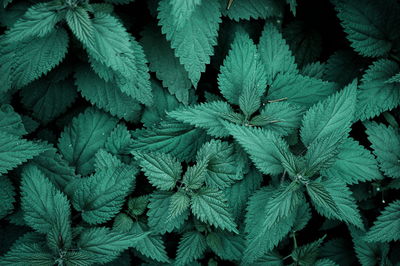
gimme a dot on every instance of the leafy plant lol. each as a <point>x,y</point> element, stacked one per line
<point>199,132</point>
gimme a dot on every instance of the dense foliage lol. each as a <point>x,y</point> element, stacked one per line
<point>200,132</point>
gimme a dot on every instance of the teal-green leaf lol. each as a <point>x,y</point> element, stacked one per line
<point>375,95</point>
<point>191,247</point>
<point>29,253</point>
<point>386,146</point>
<point>10,121</point>
<point>193,48</point>
<point>7,197</point>
<point>386,228</point>
<point>101,196</point>
<point>242,79</point>
<point>162,169</point>
<point>210,206</point>
<point>256,9</point>
<point>80,24</point>
<point>86,134</point>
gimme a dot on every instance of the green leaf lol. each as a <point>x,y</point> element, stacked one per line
<point>387,226</point>
<point>368,254</point>
<point>370,25</point>
<point>119,141</point>
<point>193,48</point>
<point>84,137</point>
<point>163,61</point>
<point>191,247</point>
<point>171,136</point>
<point>386,144</point>
<point>29,253</point>
<point>195,175</point>
<point>334,114</point>
<point>117,50</point>
<point>266,149</point>
<point>48,99</point>
<point>80,24</point>
<point>138,205</point>
<point>260,240</point>
<point>7,197</point>
<point>242,77</point>
<point>208,116</point>
<point>106,95</point>
<point>10,121</point>
<point>38,21</point>
<point>158,213</point>
<point>375,95</point>
<point>158,111</point>
<point>226,245</point>
<point>222,167</point>
<point>101,196</point>
<point>103,245</point>
<point>152,246</point>
<point>161,169</point>
<point>210,206</point>
<point>182,10</point>
<point>15,151</point>
<point>299,89</point>
<point>275,53</point>
<point>246,9</point>
<point>333,199</point>
<point>25,61</point>
<point>179,203</point>
<point>281,117</point>
<point>325,262</point>
<point>354,164</point>
<point>307,254</point>
<point>46,209</point>
<point>55,168</point>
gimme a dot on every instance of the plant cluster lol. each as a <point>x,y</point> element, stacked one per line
<point>199,132</point>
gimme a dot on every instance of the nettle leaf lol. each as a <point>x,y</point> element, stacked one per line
<point>210,206</point>
<point>102,245</point>
<point>195,175</point>
<point>259,239</point>
<point>25,61</point>
<point>368,253</point>
<point>162,169</point>
<point>80,24</point>
<point>375,95</point>
<point>387,226</point>
<point>191,247</point>
<point>266,149</point>
<point>275,53</point>
<point>386,144</point>
<point>222,167</point>
<point>193,48</point>
<point>117,50</point>
<point>7,197</point>
<point>101,196</point>
<point>15,151</point>
<point>333,199</point>
<point>46,209</point>
<point>159,217</point>
<point>242,77</point>
<point>370,25</point>
<point>354,164</point>
<point>246,9</point>
<point>28,253</point>
<point>181,140</point>
<point>182,10</point>
<point>152,246</point>
<point>299,89</point>
<point>119,141</point>
<point>179,203</point>
<point>48,99</point>
<point>38,21</point>
<point>226,245</point>
<point>163,61</point>
<point>86,134</point>
<point>106,95</point>
<point>208,116</point>
<point>281,117</point>
<point>10,121</point>
<point>326,124</point>
<point>307,254</point>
